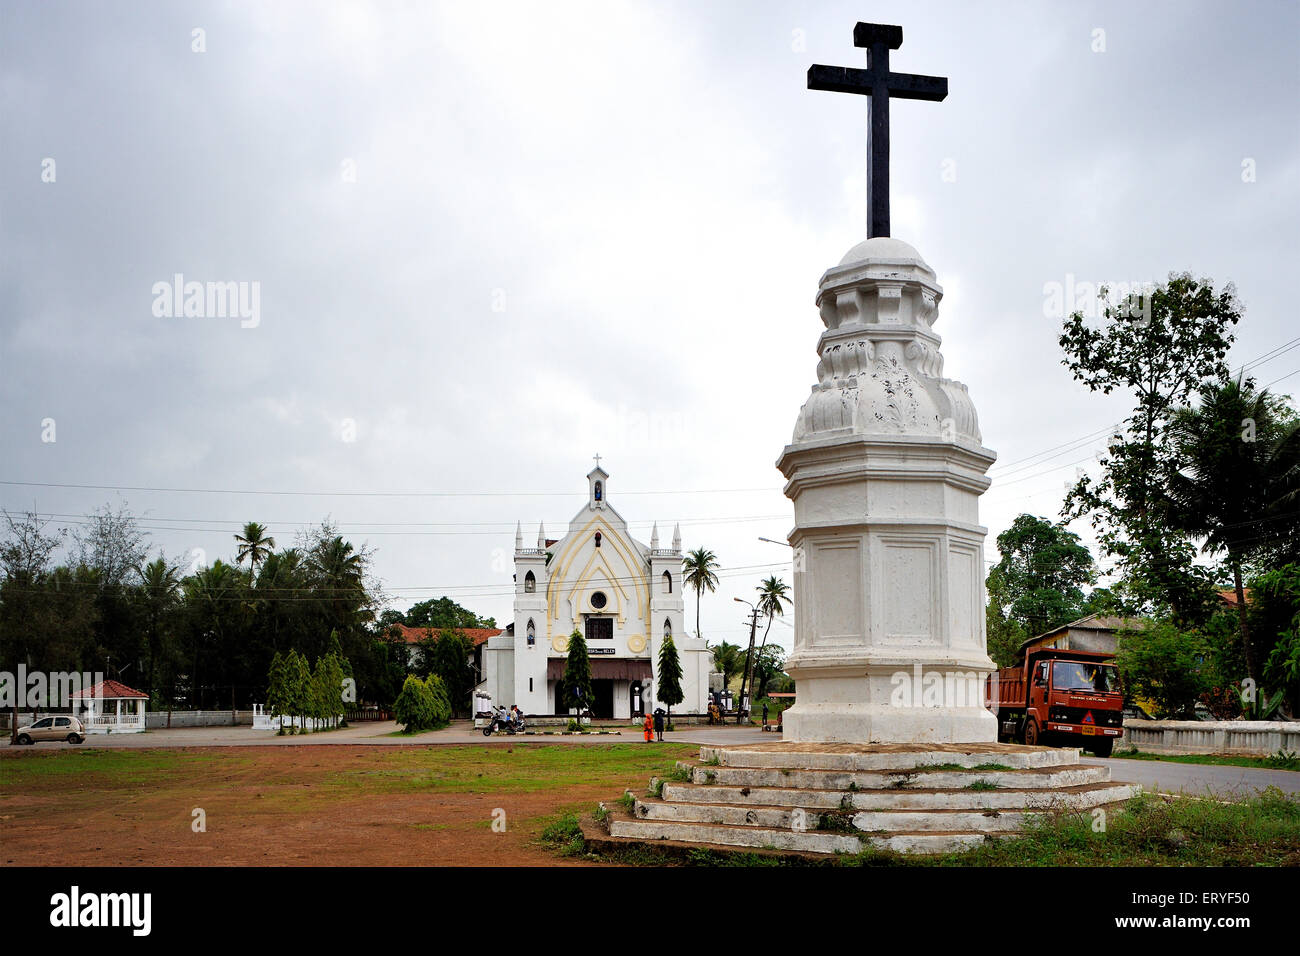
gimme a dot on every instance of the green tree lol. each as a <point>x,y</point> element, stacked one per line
<point>298,688</point>
<point>450,654</point>
<point>1038,583</point>
<point>1160,348</point>
<point>414,707</point>
<point>1167,664</point>
<point>1232,480</point>
<point>277,690</point>
<point>699,571</point>
<point>576,680</point>
<point>669,686</point>
<point>773,595</point>
<point>443,613</point>
<point>159,593</point>
<point>254,544</point>
<point>728,660</point>
<point>768,667</point>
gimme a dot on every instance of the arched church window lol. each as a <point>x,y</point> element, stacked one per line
<point>668,628</point>
<point>532,632</point>
<point>598,539</point>
<point>600,490</point>
<point>668,583</point>
<point>530,583</point>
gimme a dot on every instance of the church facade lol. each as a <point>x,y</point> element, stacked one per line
<point>622,595</point>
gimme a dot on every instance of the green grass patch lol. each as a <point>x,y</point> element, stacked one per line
<point>110,768</point>
<point>1277,761</point>
<point>564,836</point>
<point>983,785</point>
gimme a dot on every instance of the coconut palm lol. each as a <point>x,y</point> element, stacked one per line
<point>1237,478</point>
<point>698,571</point>
<point>773,594</point>
<point>160,586</point>
<point>254,544</point>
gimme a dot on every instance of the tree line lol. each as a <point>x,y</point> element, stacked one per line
<point>1195,511</point>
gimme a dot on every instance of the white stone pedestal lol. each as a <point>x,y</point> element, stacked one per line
<point>885,472</point>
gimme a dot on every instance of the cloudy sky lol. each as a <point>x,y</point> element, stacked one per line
<point>490,240</point>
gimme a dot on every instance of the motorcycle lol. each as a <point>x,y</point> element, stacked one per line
<point>501,722</point>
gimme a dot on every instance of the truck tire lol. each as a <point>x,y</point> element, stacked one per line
<point>1103,748</point>
<point>1031,733</point>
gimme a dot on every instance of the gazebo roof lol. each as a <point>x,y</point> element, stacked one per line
<point>111,690</point>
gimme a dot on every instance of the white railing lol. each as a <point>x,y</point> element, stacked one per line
<point>1212,736</point>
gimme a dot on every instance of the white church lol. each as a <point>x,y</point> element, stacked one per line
<point>624,596</point>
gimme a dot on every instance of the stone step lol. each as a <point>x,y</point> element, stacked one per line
<point>1029,779</point>
<point>721,834</point>
<point>623,827</point>
<point>850,758</point>
<point>776,817</point>
<point>754,813</point>
<point>1065,798</point>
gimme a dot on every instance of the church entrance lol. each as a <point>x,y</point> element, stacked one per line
<point>603,705</point>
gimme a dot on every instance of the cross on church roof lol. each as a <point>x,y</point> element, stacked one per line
<point>597,460</point>
<point>877,82</point>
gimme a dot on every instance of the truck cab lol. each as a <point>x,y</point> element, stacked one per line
<point>1056,696</point>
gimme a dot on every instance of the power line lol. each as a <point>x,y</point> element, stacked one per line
<point>373,494</point>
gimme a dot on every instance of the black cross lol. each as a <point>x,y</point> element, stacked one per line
<point>877,82</point>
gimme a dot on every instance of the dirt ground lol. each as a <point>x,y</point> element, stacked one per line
<point>304,805</point>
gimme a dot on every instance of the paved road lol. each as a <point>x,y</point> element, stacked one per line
<point>1198,779</point>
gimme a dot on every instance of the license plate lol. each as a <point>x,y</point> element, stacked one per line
<point>1089,730</point>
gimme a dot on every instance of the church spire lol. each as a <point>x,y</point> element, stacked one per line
<point>654,538</point>
<point>519,536</point>
<point>677,537</point>
<point>541,536</point>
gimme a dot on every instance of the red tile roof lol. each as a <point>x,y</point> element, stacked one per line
<point>1229,596</point>
<point>111,690</point>
<point>475,635</point>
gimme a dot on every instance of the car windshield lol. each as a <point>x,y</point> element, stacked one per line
<point>1076,675</point>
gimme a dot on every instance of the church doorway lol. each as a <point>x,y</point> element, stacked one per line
<point>603,705</point>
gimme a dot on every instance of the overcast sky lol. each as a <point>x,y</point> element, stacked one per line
<point>491,240</point>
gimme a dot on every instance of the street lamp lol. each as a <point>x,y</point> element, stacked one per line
<point>784,544</point>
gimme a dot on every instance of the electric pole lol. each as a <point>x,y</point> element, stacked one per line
<point>748,679</point>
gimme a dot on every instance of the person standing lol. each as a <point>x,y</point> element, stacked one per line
<point>648,726</point>
<point>659,724</point>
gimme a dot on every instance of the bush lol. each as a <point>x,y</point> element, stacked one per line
<point>422,704</point>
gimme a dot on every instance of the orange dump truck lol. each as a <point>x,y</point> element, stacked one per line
<point>1069,698</point>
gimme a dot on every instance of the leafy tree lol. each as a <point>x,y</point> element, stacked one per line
<point>449,660</point>
<point>158,594</point>
<point>277,691</point>
<point>443,613</point>
<point>1233,480</point>
<point>1275,609</point>
<point>422,704</point>
<point>699,571</point>
<point>769,665</point>
<point>254,544</point>
<point>1160,348</point>
<point>1004,636</point>
<point>1037,585</point>
<point>298,688</point>
<point>728,661</point>
<point>669,687</point>
<point>1167,664</point>
<point>576,680</point>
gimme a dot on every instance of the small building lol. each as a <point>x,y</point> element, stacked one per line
<point>110,707</point>
<point>1096,632</point>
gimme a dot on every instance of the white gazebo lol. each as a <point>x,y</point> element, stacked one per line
<point>110,707</point>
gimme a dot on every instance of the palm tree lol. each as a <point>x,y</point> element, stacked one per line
<point>160,587</point>
<point>1234,480</point>
<point>773,594</point>
<point>335,567</point>
<point>698,569</point>
<point>254,544</point>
